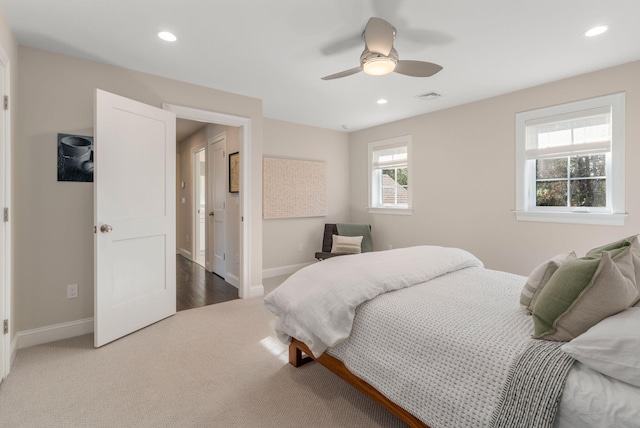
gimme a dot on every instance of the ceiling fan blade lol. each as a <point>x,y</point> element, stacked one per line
<point>347,43</point>
<point>343,74</point>
<point>417,68</point>
<point>378,35</point>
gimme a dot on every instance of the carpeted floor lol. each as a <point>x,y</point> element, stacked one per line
<point>216,366</point>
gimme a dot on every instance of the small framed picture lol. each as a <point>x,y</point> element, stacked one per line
<point>234,172</point>
<point>75,158</point>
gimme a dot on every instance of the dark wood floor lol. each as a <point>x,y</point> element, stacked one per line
<point>195,287</point>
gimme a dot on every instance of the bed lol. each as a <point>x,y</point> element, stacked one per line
<point>441,341</point>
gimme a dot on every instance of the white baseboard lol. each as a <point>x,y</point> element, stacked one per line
<point>14,351</point>
<point>256,291</point>
<point>283,270</point>
<point>233,280</point>
<point>185,253</point>
<point>38,336</point>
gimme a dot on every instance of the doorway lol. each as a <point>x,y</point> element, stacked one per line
<point>244,279</point>
<point>199,198</point>
<point>202,234</point>
<point>202,196</point>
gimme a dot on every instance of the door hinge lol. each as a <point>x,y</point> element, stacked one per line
<point>6,214</point>
<point>6,326</point>
<point>224,256</point>
<point>6,102</point>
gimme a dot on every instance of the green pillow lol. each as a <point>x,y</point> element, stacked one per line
<point>631,241</point>
<point>539,278</point>
<point>583,292</point>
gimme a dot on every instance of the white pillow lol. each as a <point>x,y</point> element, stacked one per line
<point>611,347</point>
<point>346,244</point>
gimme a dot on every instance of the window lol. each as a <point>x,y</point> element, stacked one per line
<point>570,162</point>
<point>390,176</point>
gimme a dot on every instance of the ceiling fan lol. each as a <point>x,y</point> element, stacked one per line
<point>380,58</point>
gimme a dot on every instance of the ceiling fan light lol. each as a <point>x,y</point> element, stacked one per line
<point>379,66</point>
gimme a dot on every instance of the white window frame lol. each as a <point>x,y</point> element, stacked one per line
<point>614,214</point>
<point>375,206</point>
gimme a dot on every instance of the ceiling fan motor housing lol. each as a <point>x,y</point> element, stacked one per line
<point>377,64</point>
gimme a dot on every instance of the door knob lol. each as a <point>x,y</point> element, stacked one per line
<point>105,228</point>
<point>211,213</point>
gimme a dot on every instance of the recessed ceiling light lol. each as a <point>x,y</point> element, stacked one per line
<point>167,36</point>
<point>595,31</point>
<point>382,101</point>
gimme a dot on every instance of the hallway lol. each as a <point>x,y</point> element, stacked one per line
<point>195,287</point>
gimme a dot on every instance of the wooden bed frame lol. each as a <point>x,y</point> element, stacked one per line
<point>299,354</point>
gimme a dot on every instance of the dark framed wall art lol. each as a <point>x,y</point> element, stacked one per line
<point>75,158</point>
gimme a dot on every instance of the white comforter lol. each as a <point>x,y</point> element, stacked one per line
<point>317,304</point>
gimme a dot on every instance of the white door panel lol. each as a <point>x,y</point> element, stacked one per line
<point>134,182</point>
<point>217,204</point>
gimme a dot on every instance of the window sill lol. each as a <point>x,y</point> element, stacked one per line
<point>575,218</point>
<point>394,211</point>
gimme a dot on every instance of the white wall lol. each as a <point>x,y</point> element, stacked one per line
<point>464,171</point>
<point>281,237</point>
<point>54,220</point>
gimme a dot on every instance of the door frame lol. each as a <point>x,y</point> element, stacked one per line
<point>6,281</point>
<point>244,123</point>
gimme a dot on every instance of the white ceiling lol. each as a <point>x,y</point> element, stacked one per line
<point>278,50</point>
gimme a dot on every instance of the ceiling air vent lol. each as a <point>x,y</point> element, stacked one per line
<point>428,96</point>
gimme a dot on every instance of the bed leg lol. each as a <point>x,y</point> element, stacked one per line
<point>296,358</point>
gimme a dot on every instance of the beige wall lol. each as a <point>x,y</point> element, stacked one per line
<point>281,237</point>
<point>54,220</point>
<point>463,182</point>
<point>11,49</point>
<point>184,218</point>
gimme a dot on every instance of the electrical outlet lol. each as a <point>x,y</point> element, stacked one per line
<point>299,247</point>
<point>389,247</point>
<point>72,291</point>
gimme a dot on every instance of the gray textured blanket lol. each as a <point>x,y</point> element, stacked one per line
<point>456,351</point>
<point>534,386</point>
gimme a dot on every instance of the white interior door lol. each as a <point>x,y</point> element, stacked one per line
<point>134,190</point>
<point>217,204</point>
